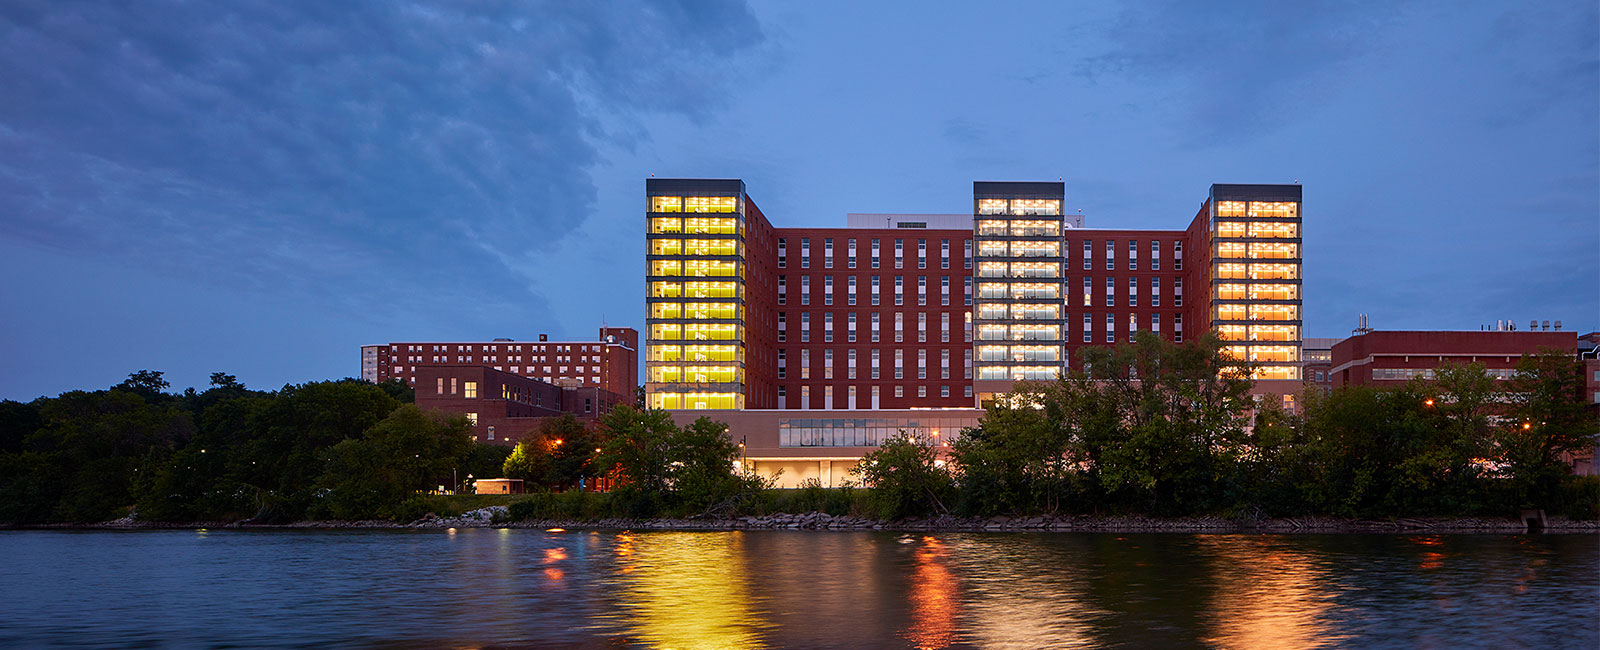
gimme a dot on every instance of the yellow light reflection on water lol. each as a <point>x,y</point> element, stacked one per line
<point>687,590</point>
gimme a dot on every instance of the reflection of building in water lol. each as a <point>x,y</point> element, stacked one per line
<point>1010,603</point>
<point>857,593</point>
<point>934,597</point>
<point>687,590</point>
<point>1268,595</point>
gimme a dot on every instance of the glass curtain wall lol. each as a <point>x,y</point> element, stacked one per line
<point>1018,308</point>
<point>1255,275</point>
<point>695,273</point>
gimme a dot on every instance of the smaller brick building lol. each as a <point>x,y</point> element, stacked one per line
<point>610,362</point>
<point>1392,358</point>
<point>506,407</point>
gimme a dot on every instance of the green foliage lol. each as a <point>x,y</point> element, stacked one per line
<point>572,505</point>
<point>906,478</point>
<point>558,457</point>
<point>373,476</point>
<point>812,497</point>
<point>1153,427</point>
<point>662,468</point>
<point>1549,420</point>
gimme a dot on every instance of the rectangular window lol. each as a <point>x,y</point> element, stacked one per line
<point>827,363</point>
<point>1155,292</point>
<point>469,389</point>
<point>805,327</point>
<point>827,290</point>
<point>827,327</point>
<point>850,291</point>
<point>875,291</point>
<point>922,290</point>
<point>899,290</point>
<point>944,253</point>
<point>875,368</point>
<point>1133,292</point>
<point>966,254</point>
<point>874,330</point>
<point>805,289</point>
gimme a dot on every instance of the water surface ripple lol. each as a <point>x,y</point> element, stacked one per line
<point>487,588</point>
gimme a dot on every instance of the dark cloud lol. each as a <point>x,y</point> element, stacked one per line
<point>336,148</point>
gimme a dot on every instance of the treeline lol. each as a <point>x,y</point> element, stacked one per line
<point>1163,429</point>
<point>336,449</point>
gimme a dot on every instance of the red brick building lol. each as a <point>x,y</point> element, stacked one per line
<point>504,407</point>
<point>1392,358</point>
<point>937,312</point>
<point>610,362</point>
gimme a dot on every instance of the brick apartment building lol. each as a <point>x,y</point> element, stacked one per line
<point>505,408</point>
<point>610,362</point>
<point>833,331</point>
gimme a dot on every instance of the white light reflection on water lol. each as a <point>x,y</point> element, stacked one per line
<point>1022,596</point>
<point>1268,594</point>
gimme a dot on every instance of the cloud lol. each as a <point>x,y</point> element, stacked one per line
<point>380,150</point>
<point>1240,69</point>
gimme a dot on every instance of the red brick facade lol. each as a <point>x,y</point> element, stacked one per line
<point>610,363</point>
<point>1393,358</point>
<point>505,407</point>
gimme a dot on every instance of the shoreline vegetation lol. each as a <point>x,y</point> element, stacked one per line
<point>1151,435</point>
<point>500,517</point>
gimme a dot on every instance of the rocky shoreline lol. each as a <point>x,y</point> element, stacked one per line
<point>495,517</point>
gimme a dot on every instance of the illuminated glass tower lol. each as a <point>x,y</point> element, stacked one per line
<point>1017,306</point>
<point>695,294</point>
<point>1255,275</point>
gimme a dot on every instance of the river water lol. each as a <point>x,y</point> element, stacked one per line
<point>474,588</point>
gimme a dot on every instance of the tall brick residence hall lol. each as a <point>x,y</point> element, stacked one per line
<point>816,344</point>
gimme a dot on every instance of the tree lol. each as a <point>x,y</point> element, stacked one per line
<point>1155,425</point>
<point>1015,460</point>
<point>406,453</point>
<point>905,477</point>
<point>225,381</point>
<point>638,448</point>
<point>705,468</point>
<point>147,383</point>
<point>1549,420</point>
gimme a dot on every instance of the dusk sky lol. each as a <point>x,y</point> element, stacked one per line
<point>262,187</point>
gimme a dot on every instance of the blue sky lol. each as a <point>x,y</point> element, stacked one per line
<point>262,187</point>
